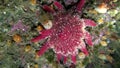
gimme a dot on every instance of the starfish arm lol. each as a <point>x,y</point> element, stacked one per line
<point>73,58</point>
<point>83,48</point>
<point>48,8</point>
<point>43,49</point>
<point>43,34</point>
<point>58,5</point>
<point>65,59</point>
<point>89,22</point>
<point>38,38</point>
<point>59,56</point>
<point>88,39</point>
<point>80,5</point>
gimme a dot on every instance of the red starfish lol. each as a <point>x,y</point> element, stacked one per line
<point>67,33</point>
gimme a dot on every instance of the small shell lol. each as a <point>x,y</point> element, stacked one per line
<point>33,2</point>
<point>48,24</point>
<point>81,55</point>
<point>103,43</point>
<point>39,28</point>
<point>102,56</point>
<point>36,66</point>
<point>17,38</point>
<point>27,48</point>
<point>109,58</point>
<point>102,8</point>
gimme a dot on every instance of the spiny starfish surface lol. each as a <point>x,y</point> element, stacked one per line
<point>67,34</point>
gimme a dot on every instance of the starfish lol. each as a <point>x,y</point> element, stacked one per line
<point>67,34</point>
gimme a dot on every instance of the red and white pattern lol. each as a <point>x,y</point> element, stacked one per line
<point>67,34</point>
